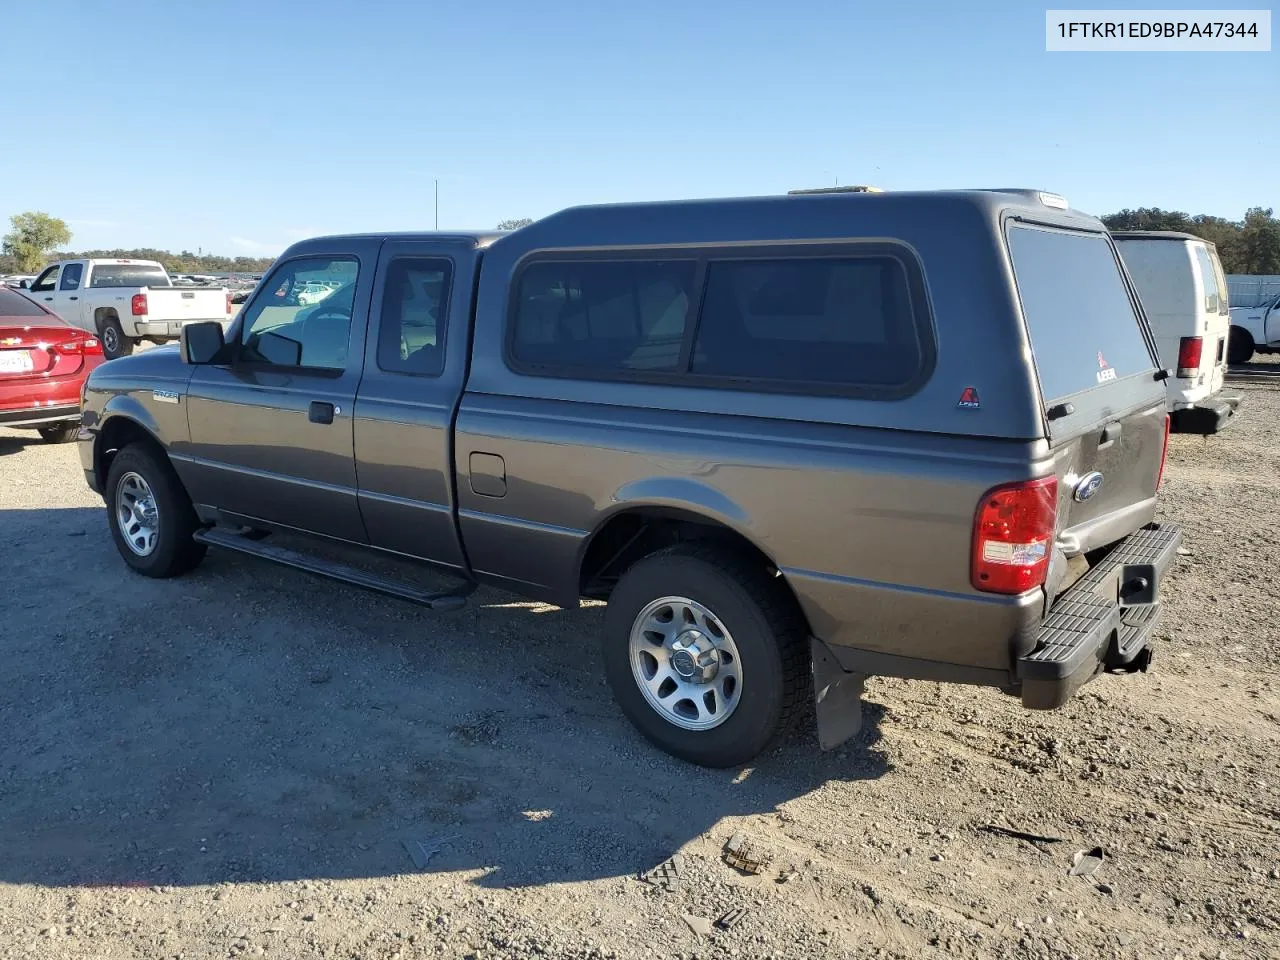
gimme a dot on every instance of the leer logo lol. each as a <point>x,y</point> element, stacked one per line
<point>1102,361</point>
<point>969,399</point>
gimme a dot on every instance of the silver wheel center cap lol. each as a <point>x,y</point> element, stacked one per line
<point>694,657</point>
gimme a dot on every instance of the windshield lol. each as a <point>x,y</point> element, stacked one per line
<point>1084,330</point>
<point>128,275</point>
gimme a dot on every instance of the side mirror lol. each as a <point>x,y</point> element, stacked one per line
<point>24,284</point>
<point>202,342</point>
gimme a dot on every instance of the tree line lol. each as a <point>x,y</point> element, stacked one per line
<point>1247,246</point>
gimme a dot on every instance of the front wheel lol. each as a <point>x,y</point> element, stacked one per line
<point>706,654</point>
<point>114,342</point>
<point>60,433</point>
<point>150,514</point>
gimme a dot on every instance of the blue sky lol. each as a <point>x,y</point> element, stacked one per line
<point>239,127</point>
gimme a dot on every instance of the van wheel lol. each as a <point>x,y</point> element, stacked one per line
<point>114,342</point>
<point>60,433</point>
<point>1239,346</point>
<point>706,654</point>
<point>150,514</point>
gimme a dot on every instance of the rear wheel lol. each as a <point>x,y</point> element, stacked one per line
<point>114,342</point>
<point>706,654</point>
<point>150,514</point>
<point>60,432</point>
<point>1239,346</point>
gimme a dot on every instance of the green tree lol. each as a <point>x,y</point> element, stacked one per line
<point>1260,242</point>
<point>515,224</point>
<point>34,235</point>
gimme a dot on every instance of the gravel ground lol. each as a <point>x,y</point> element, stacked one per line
<point>231,764</point>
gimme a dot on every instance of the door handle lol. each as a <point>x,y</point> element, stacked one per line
<point>73,298</point>
<point>1110,434</point>
<point>48,299</point>
<point>320,412</point>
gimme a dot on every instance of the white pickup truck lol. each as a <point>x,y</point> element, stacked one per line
<point>125,301</point>
<point>1254,330</point>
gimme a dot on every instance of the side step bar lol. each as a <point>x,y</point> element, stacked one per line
<point>333,570</point>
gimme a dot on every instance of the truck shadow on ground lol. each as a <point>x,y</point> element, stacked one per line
<point>250,723</point>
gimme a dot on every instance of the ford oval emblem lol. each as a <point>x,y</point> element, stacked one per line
<point>1087,486</point>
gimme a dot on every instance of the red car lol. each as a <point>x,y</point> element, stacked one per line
<point>43,364</point>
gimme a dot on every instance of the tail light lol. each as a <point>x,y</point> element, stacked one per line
<point>1189,350</point>
<point>1012,536</point>
<point>90,346</point>
<point>139,304</point>
<point>1164,453</point>
<point>228,304</point>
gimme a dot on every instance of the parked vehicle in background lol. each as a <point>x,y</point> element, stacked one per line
<point>44,362</point>
<point>1184,296</point>
<point>1252,290</point>
<point>125,301</point>
<point>18,282</point>
<point>1254,330</point>
<point>793,441</point>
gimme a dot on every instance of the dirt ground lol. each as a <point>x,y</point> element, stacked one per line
<point>231,764</point>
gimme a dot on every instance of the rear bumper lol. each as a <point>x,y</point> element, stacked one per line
<point>164,329</point>
<point>1207,416</point>
<point>39,416</point>
<point>1104,622</point>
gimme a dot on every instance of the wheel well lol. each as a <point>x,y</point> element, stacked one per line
<point>632,535</point>
<point>1238,331</point>
<point>115,435</point>
<point>102,315</point>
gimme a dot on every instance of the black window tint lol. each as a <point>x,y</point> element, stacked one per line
<point>128,275</point>
<point>412,326</point>
<point>14,304</point>
<point>45,281</point>
<point>844,321</point>
<point>1083,328</point>
<point>603,314</point>
<point>71,274</point>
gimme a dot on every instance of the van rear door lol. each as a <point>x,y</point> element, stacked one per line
<point>1213,318</point>
<point>1095,362</point>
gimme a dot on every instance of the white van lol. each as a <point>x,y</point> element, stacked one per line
<point>1184,295</point>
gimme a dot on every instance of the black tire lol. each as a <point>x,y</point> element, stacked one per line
<point>1239,346</point>
<point>60,432</point>
<point>174,552</point>
<point>768,631</point>
<point>114,342</point>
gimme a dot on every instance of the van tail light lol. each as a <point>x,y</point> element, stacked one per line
<point>1164,453</point>
<point>1189,351</point>
<point>139,304</point>
<point>1012,536</point>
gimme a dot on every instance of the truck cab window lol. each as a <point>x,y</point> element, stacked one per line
<point>71,274</point>
<point>302,317</point>
<point>45,281</point>
<point>412,325</point>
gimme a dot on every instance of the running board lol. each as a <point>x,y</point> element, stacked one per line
<point>333,570</point>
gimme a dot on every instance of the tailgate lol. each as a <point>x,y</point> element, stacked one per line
<point>175,303</point>
<point>1104,407</point>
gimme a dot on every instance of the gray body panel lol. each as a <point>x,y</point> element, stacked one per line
<point>865,506</point>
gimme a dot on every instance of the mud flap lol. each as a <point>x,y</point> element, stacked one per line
<point>837,697</point>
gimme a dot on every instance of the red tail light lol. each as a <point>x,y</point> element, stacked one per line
<point>1164,453</point>
<point>1189,350</point>
<point>139,304</point>
<point>228,304</point>
<point>1013,536</point>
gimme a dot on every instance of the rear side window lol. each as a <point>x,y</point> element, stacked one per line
<point>127,275</point>
<point>16,305</point>
<point>603,315</point>
<point>411,332</point>
<point>842,321</point>
<point>1215,294</point>
<point>1083,328</point>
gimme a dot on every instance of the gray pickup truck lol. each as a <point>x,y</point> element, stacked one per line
<point>793,441</point>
